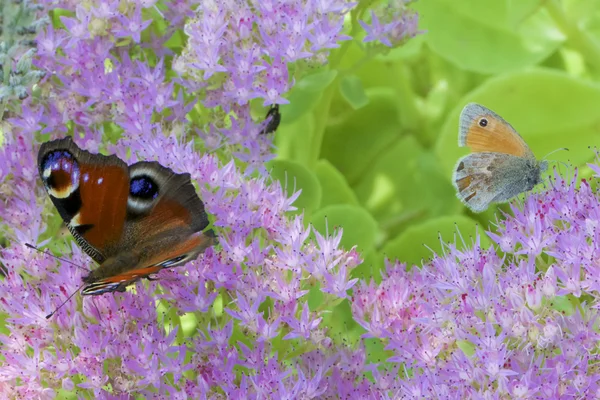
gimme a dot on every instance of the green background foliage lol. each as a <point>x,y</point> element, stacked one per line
<point>372,139</point>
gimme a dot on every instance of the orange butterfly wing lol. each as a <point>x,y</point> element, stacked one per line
<point>482,130</point>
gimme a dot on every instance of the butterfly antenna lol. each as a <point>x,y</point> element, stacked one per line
<point>554,151</point>
<point>52,255</point>
<point>64,302</point>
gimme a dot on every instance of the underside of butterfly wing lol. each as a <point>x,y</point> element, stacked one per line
<point>484,178</point>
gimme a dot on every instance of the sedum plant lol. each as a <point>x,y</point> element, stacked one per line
<point>295,301</point>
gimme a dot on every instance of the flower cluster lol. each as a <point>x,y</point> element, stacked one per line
<point>518,322</point>
<point>237,52</point>
<point>242,320</point>
<point>235,322</point>
<point>391,24</point>
<point>255,61</point>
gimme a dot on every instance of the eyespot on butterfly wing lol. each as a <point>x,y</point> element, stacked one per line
<point>482,130</point>
<point>89,191</point>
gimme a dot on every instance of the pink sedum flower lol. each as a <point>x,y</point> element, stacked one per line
<point>190,333</point>
<point>474,323</point>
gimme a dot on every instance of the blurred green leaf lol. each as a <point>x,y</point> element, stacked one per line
<point>293,140</point>
<point>586,13</point>
<point>352,90</point>
<point>564,305</point>
<point>371,267</point>
<point>359,226</point>
<point>189,324</point>
<point>301,102</point>
<point>317,82</point>
<point>176,41</point>
<point>404,185</point>
<point>408,51</point>
<point>315,296</point>
<point>409,245</point>
<point>467,347</point>
<point>305,95</point>
<point>481,36</point>
<point>341,326</point>
<point>518,11</point>
<point>294,176</point>
<point>335,187</point>
<point>362,134</point>
<point>376,352</point>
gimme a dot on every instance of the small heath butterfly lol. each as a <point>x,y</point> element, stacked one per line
<point>500,166</point>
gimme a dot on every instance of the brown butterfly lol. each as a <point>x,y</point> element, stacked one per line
<point>132,220</point>
<point>501,165</point>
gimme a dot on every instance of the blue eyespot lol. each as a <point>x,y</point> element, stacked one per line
<point>55,157</point>
<point>60,173</point>
<point>143,187</point>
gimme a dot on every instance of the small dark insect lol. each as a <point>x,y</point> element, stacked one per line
<point>275,119</point>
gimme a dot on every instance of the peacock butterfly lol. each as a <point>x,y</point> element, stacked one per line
<point>132,220</point>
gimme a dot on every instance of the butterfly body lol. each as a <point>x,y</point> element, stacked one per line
<point>501,165</point>
<point>132,220</point>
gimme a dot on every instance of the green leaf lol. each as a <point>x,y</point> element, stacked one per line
<point>189,324</point>
<point>293,140</point>
<point>315,296</point>
<point>318,81</point>
<point>518,11</point>
<point>403,185</point>
<point>371,267</point>
<point>294,176</point>
<point>353,92</point>
<point>376,352</point>
<point>563,305</point>
<point>301,102</point>
<point>305,95</point>
<point>467,347</point>
<point>550,109</point>
<point>359,226</point>
<point>363,134</point>
<point>409,245</point>
<point>341,326</point>
<point>481,36</point>
<point>55,15</point>
<point>586,13</point>
<point>3,329</point>
<point>408,51</point>
<point>176,41</point>
<point>336,189</point>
